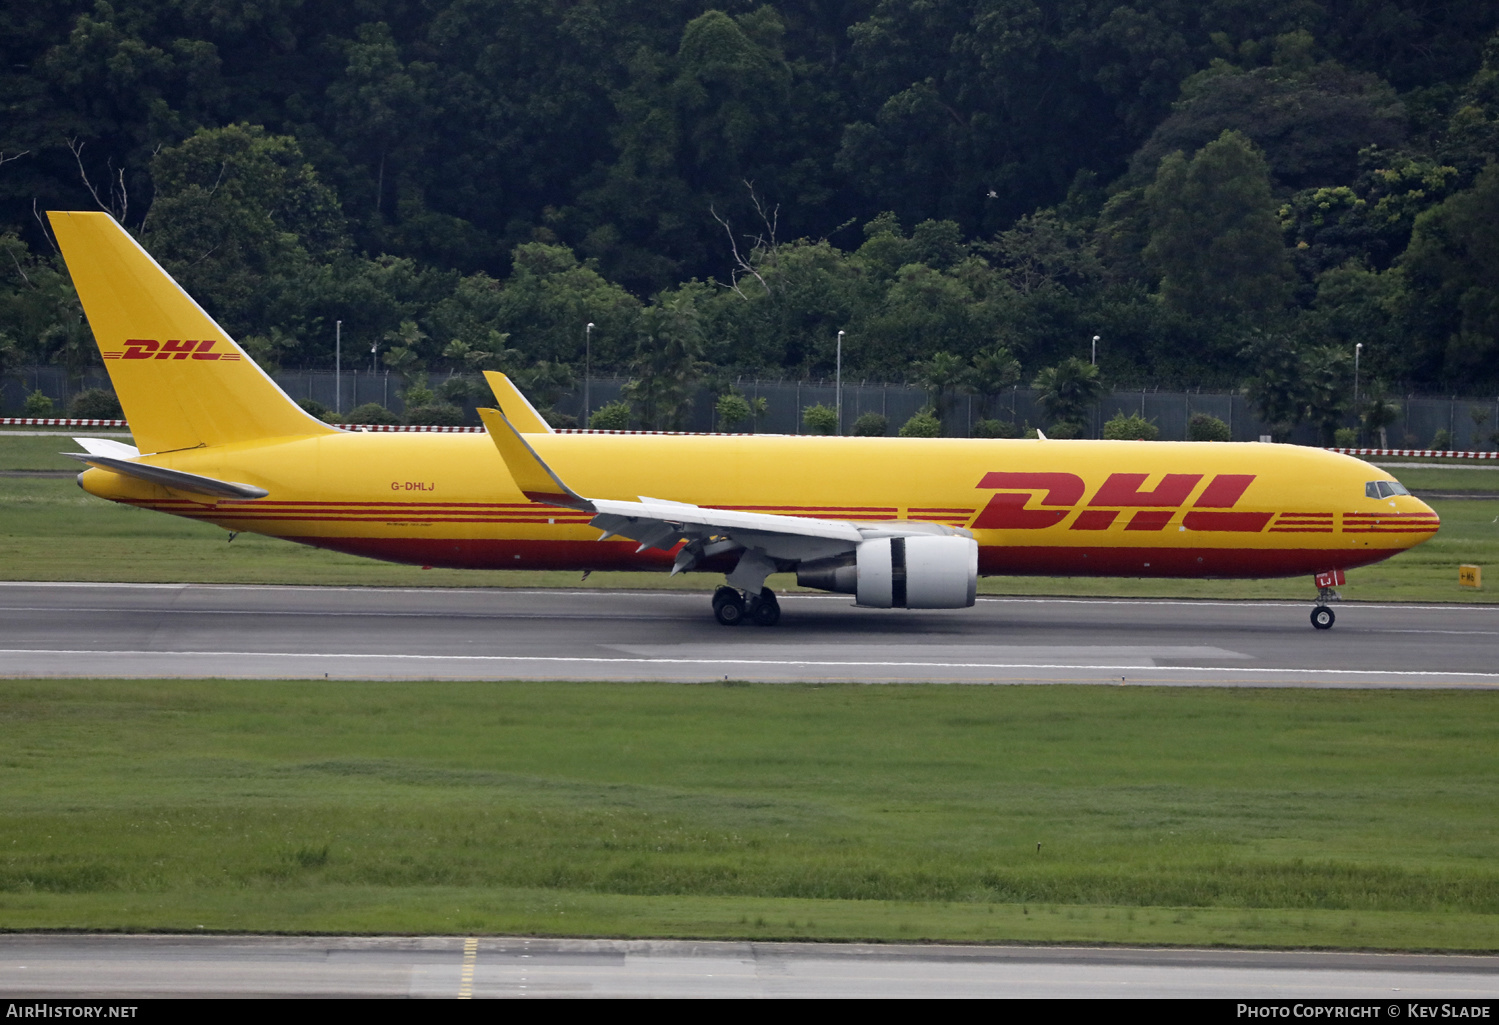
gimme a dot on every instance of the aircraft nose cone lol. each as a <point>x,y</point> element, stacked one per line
<point>1424,508</point>
<point>1416,513</point>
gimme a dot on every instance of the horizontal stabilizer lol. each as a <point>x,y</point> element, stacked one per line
<point>105,447</point>
<point>176,479</point>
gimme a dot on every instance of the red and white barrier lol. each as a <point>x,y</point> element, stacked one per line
<point>59,421</point>
<point>405,428</point>
<point>1424,453</point>
<point>56,421</point>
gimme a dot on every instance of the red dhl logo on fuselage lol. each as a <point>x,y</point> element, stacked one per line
<point>1061,493</point>
<point>172,348</point>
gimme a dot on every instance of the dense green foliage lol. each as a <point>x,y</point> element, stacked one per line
<point>970,189</point>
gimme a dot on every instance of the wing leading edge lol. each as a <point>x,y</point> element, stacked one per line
<point>768,542</point>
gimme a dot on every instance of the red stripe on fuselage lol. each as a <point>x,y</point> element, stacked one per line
<point>993,560</point>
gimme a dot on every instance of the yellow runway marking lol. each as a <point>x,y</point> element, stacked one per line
<point>470,955</point>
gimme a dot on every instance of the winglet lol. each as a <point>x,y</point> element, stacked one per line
<point>534,477</point>
<point>520,413</point>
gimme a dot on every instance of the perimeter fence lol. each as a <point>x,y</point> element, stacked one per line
<point>1469,423</point>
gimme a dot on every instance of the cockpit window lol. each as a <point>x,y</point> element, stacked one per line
<point>1384,489</point>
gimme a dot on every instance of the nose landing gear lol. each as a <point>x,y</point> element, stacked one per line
<point>1322,616</point>
<point>731,608</point>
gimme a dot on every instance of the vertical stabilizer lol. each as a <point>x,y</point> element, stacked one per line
<point>181,379</point>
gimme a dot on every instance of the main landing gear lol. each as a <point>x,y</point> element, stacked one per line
<point>731,608</point>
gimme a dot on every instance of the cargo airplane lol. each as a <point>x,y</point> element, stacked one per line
<point>895,522</point>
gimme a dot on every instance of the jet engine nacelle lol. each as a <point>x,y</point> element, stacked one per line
<point>920,572</point>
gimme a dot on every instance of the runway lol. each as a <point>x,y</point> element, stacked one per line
<point>141,967</point>
<point>170,630</point>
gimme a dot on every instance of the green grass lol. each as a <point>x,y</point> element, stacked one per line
<point>51,530</point>
<point>41,452</point>
<point>1273,818</point>
<point>1482,479</point>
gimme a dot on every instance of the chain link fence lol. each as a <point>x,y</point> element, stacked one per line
<point>1468,423</point>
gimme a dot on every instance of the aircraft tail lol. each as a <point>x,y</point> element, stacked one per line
<point>183,382</point>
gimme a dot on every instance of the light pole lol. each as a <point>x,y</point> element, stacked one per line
<point>373,346</point>
<point>838,383</point>
<point>1358,350</point>
<point>587,367</point>
<point>1094,360</point>
<point>338,367</point>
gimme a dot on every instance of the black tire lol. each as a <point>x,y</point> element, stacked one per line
<point>728,607</point>
<point>767,611</point>
<point>1323,618</point>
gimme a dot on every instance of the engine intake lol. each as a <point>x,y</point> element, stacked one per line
<point>921,572</point>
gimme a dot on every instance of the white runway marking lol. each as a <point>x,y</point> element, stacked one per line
<point>127,967</point>
<point>965,655</point>
<point>255,664</point>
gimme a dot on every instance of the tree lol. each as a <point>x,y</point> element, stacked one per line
<point>543,307</point>
<point>372,413</point>
<point>1130,428</point>
<point>544,382</point>
<point>941,376</point>
<point>923,424</point>
<point>1206,427</point>
<point>41,320</point>
<point>1380,412</point>
<point>1215,240</point>
<point>871,425</point>
<point>376,102</point>
<point>403,354</point>
<point>1452,272</point>
<point>239,217</point>
<point>612,416</point>
<point>995,429</point>
<point>732,410</point>
<point>1309,119</point>
<point>1327,389</point>
<point>1067,391</point>
<point>1275,390</point>
<point>667,361</point>
<point>993,370</point>
<point>820,419</point>
<point>95,404</point>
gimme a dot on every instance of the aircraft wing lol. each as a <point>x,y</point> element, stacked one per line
<point>766,539</point>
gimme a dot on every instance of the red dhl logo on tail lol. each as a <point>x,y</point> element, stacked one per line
<point>172,348</point>
<point>1061,492</point>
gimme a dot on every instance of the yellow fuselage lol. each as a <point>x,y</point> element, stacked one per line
<point>1035,507</point>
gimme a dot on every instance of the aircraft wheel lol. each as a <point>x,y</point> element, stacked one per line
<point>767,611</point>
<point>728,606</point>
<point>1322,617</point>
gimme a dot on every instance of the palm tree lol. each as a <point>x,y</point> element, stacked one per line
<point>940,375</point>
<point>667,364</point>
<point>1068,389</point>
<point>1379,412</point>
<point>994,370</point>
